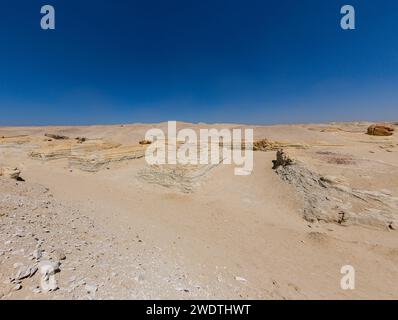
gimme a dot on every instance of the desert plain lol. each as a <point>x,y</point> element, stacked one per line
<point>83,201</point>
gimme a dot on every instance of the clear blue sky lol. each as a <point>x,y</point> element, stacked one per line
<point>197,60</point>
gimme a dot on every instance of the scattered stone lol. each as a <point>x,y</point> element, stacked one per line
<point>240,279</point>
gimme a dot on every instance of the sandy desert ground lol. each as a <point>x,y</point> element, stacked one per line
<point>119,229</point>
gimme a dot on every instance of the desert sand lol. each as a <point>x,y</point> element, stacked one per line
<point>85,199</point>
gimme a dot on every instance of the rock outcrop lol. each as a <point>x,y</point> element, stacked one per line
<point>53,150</point>
<point>380,129</point>
<point>184,178</point>
<point>282,159</point>
<point>87,155</point>
<point>95,160</point>
<point>327,199</point>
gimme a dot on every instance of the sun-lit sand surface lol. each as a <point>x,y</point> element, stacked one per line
<point>131,233</point>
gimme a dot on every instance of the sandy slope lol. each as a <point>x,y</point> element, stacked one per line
<point>232,237</point>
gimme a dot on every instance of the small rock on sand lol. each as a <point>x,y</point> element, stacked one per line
<point>17,287</point>
<point>59,254</point>
<point>90,288</point>
<point>240,279</point>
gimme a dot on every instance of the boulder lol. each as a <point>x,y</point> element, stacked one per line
<point>48,270</point>
<point>145,142</point>
<point>12,173</point>
<point>381,129</point>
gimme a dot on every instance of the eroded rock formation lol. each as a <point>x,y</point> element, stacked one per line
<point>184,178</point>
<point>328,199</point>
<point>87,155</point>
<point>381,129</point>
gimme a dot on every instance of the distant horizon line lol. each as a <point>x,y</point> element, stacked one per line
<point>199,123</point>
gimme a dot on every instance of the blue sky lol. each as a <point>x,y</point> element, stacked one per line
<point>249,61</point>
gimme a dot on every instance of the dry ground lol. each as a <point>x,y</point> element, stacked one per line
<point>229,237</point>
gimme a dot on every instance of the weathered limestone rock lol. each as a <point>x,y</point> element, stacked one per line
<point>381,129</point>
<point>91,156</point>
<point>327,199</point>
<point>12,173</point>
<point>47,271</point>
<point>184,178</point>
<point>95,160</point>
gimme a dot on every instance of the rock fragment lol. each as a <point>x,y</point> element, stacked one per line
<point>59,254</point>
<point>48,270</point>
<point>12,173</point>
<point>37,253</point>
<point>145,142</point>
<point>26,272</point>
<point>91,288</point>
<point>240,279</point>
<point>17,287</point>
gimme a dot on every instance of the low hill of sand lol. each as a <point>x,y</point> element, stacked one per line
<point>84,199</point>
